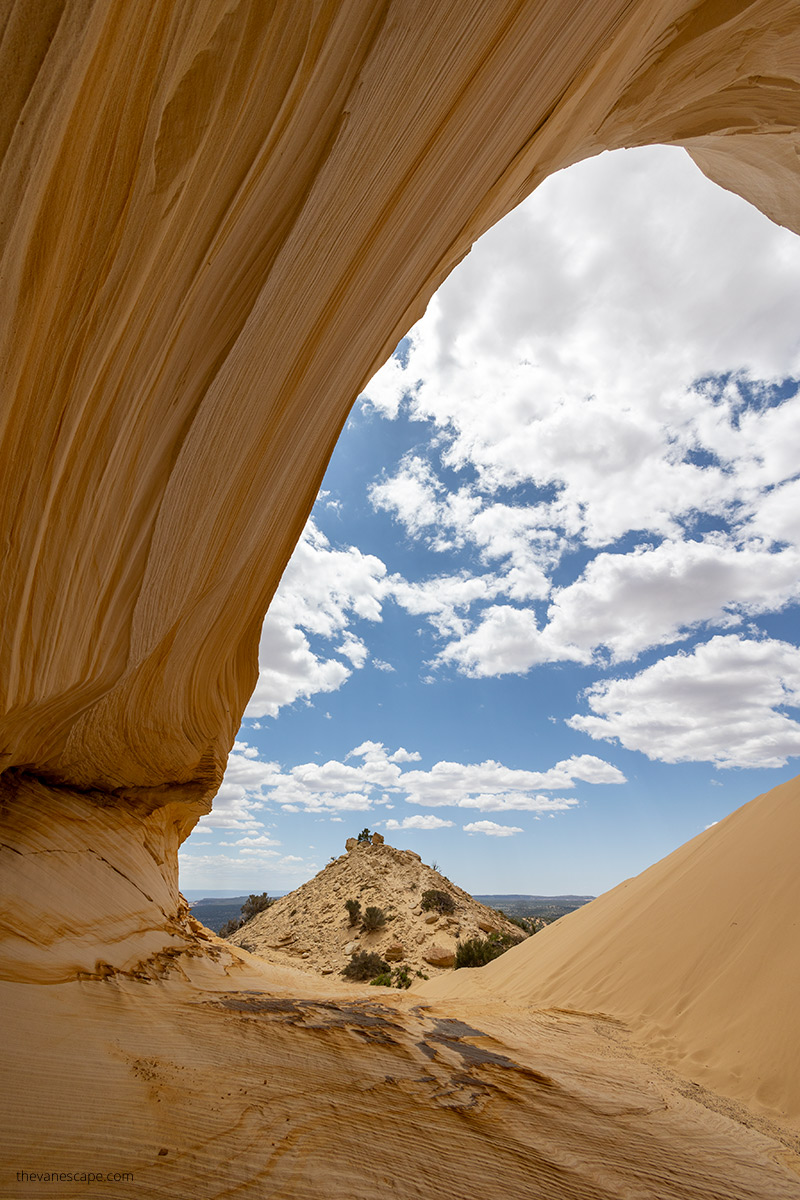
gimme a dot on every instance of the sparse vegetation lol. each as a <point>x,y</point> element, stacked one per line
<point>353,911</point>
<point>545,909</point>
<point>374,918</point>
<point>526,924</point>
<point>397,978</point>
<point>478,951</point>
<point>436,900</point>
<point>366,965</point>
<point>364,836</point>
<point>252,906</point>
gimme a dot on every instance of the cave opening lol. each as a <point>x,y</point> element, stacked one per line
<point>541,626</point>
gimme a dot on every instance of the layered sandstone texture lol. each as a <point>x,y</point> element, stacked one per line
<point>218,219</point>
<point>699,956</point>
<point>234,1079</point>
<point>310,927</point>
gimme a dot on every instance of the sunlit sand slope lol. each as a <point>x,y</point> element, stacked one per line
<point>699,955</point>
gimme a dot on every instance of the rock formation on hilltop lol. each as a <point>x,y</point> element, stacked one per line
<point>310,927</point>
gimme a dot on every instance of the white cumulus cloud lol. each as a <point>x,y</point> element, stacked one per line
<point>371,776</point>
<point>721,703</point>
<point>492,829</point>
<point>566,351</point>
<point>628,603</point>
<point>608,373</point>
<point>418,821</point>
<point>323,590</point>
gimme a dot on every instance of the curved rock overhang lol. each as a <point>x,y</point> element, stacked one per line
<point>216,222</point>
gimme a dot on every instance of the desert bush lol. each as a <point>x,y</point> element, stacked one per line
<point>374,918</point>
<point>435,900</point>
<point>254,905</point>
<point>398,978</point>
<point>401,977</point>
<point>478,951</point>
<point>364,836</point>
<point>229,927</point>
<point>366,965</point>
<point>353,910</point>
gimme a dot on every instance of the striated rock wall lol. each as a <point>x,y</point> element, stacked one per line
<point>90,884</point>
<point>216,222</point>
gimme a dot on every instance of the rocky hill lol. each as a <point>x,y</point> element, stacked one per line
<point>310,927</point>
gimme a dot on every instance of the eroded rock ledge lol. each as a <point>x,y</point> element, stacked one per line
<point>90,882</point>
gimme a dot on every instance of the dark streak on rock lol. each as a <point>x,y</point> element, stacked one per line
<point>450,1032</point>
<point>303,1012</point>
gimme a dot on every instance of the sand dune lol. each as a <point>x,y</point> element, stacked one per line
<point>699,955</point>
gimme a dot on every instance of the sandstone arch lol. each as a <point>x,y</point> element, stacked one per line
<point>217,220</point>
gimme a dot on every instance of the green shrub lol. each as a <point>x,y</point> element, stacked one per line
<point>254,905</point>
<point>353,910</point>
<point>401,979</point>
<point>365,965</point>
<point>478,951</point>
<point>398,978</point>
<point>251,907</point>
<point>374,918</point>
<point>364,836</point>
<point>435,900</point>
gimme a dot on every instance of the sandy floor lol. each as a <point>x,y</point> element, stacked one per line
<point>268,1083</point>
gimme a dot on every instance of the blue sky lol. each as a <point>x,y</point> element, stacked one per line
<point>541,627</point>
